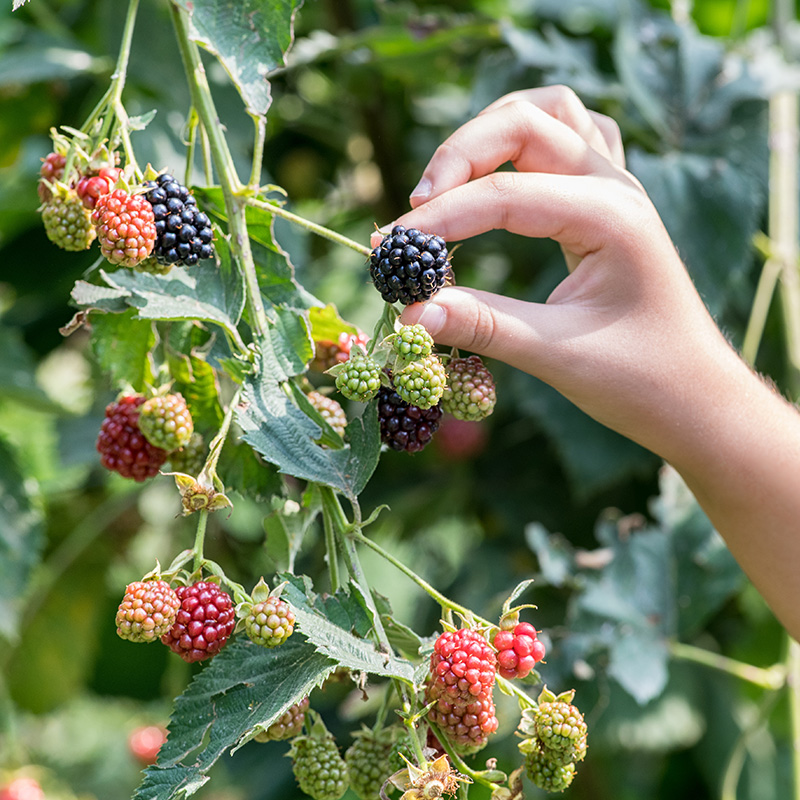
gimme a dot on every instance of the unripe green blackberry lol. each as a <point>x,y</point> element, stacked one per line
<point>368,761</point>
<point>288,725</point>
<point>269,623</point>
<point>421,383</point>
<point>318,767</point>
<point>359,378</point>
<point>67,222</point>
<point>561,730</point>
<point>545,774</point>
<point>190,458</point>
<point>147,611</point>
<point>470,392</point>
<point>166,422</point>
<point>412,342</point>
<point>330,410</point>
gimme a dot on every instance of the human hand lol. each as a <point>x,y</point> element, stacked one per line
<point>625,332</point>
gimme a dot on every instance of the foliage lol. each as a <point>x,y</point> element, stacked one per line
<point>311,127</point>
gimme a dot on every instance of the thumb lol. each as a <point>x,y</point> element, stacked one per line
<point>489,324</point>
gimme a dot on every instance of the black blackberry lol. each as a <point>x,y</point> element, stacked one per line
<point>409,265</point>
<point>183,232</point>
<point>403,426</point>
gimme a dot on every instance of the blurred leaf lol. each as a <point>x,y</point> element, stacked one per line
<point>243,471</point>
<point>243,689</point>
<point>21,541</point>
<point>46,62</point>
<point>553,552</point>
<point>326,324</point>
<point>639,663</point>
<point>122,346</point>
<point>17,372</point>
<point>249,37</point>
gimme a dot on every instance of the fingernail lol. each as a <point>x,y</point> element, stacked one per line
<point>422,189</point>
<point>432,317</point>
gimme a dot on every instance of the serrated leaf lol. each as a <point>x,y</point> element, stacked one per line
<point>286,437</point>
<point>101,298</point>
<point>243,687</point>
<point>341,608</point>
<point>21,541</point>
<point>122,347</point>
<point>249,37</point>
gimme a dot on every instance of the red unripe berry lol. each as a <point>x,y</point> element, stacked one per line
<point>52,170</point>
<point>145,742</point>
<point>462,667</point>
<point>91,187</point>
<point>126,227</point>
<point>518,650</point>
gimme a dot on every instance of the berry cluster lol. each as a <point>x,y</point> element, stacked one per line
<point>183,232</point>
<point>461,684</point>
<point>138,435</point>
<point>555,740</point>
<point>409,265</point>
<point>518,650</point>
<point>318,767</point>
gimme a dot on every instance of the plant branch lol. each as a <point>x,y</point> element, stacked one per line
<point>773,677</point>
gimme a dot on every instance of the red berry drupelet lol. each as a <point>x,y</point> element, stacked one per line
<point>126,229</point>
<point>203,624</point>
<point>463,667</point>
<point>122,446</point>
<point>52,170</point>
<point>467,727</point>
<point>403,426</point>
<point>409,265</point>
<point>147,611</point>
<point>518,650</point>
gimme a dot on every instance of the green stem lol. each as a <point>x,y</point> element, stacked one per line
<point>444,602</point>
<point>223,161</point>
<point>313,227</point>
<point>773,677</point>
<point>765,290</point>
<point>458,762</point>
<point>260,122</point>
<point>793,679</point>
<point>215,447</point>
<point>199,541</point>
<point>330,548</point>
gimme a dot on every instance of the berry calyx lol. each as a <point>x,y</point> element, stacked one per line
<point>203,624</point>
<point>183,233</point>
<point>470,391</point>
<point>288,725</point>
<point>518,650</point>
<point>358,378</point>
<point>409,265</point>
<point>147,611</point>
<point>404,426</point>
<point>421,382</point>
<point>166,422</point>
<point>66,222</point>
<point>269,623</point>
<point>463,667</point>
<point>122,446</point>
<point>125,227</point>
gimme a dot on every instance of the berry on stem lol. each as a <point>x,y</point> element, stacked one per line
<point>404,426</point>
<point>328,354</point>
<point>269,623</point>
<point>330,410</point>
<point>463,667</point>
<point>125,226</point>
<point>203,623</point>
<point>66,222</point>
<point>421,382</point>
<point>166,422</point>
<point>518,650</point>
<point>358,378</point>
<point>147,611</point>
<point>122,446</point>
<point>318,767</point>
<point>368,761</point>
<point>288,725</point>
<point>470,392</point>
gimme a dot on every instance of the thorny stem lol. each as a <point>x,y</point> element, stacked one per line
<point>223,161</point>
<point>313,227</point>
<point>773,677</point>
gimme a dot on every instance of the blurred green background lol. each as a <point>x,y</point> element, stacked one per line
<point>369,91</point>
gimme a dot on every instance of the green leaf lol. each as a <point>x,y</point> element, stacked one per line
<point>17,371</point>
<point>249,37</point>
<point>243,471</point>
<point>286,437</point>
<point>244,689</point>
<point>122,346</point>
<point>639,663</point>
<point>326,324</point>
<point>21,541</point>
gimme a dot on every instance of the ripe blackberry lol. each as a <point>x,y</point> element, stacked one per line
<point>470,392</point>
<point>518,650</point>
<point>318,766</point>
<point>409,266</point>
<point>126,230</point>
<point>269,623</point>
<point>66,221</point>
<point>166,422</point>
<point>469,726</point>
<point>330,410</point>
<point>545,774</point>
<point>328,354</point>
<point>183,232</point>
<point>403,426</point>
<point>421,382</point>
<point>288,725</point>
<point>368,761</point>
<point>203,623</point>
<point>147,611</point>
<point>463,667</point>
<point>359,378</point>
<point>122,446</point>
